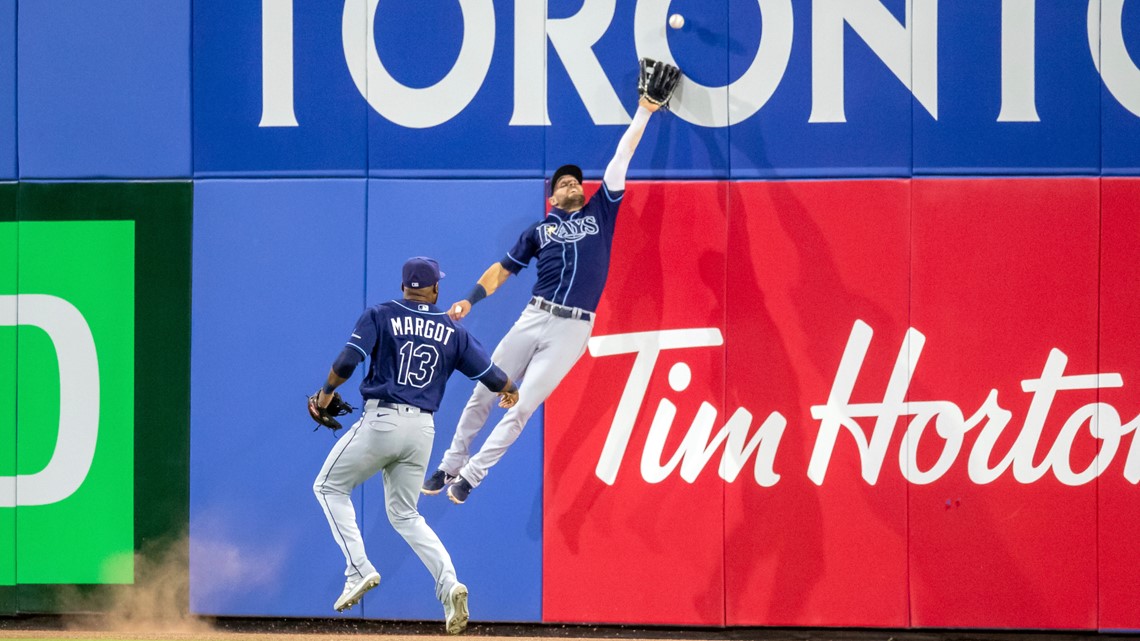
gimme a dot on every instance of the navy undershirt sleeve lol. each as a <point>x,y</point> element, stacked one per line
<point>475,364</point>
<point>495,379</point>
<point>346,363</point>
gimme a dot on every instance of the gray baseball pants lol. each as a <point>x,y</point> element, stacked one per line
<point>540,349</point>
<point>398,443</point>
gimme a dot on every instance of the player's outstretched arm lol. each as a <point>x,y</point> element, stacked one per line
<point>656,83</point>
<point>614,177</point>
<point>488,283</point>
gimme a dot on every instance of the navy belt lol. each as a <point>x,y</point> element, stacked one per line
<point>561,311</point>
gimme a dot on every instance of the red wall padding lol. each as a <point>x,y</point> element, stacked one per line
<point>635,551</point>
<point>806,259</point>
<point>1003,272</point>
<point>892,344</point>
<point>1119,499</point>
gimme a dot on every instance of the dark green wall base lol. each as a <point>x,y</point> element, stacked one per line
<point>162,213</point>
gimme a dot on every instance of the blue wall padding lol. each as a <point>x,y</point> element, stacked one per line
<point>8,169</point>
<point>104,89</point>
<point>1121,127</point>
<point>418,43</point>
<point>885,130</point>
<point>495,539</point>
<point>330,138</point>
<point>779,141</point>
<point>967,137</point>
<point>278,282</point>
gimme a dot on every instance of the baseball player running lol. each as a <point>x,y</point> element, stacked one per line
<point>572,247</point>
<point>414,348</point>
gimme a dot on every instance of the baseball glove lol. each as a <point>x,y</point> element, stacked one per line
<point>657,81</point>
<point>326,416</point>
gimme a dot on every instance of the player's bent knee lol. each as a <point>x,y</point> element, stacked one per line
<point>324,488</point>
<point>403,519</point>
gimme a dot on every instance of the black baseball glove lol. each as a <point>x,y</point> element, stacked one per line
<point>657,81</point>
<point>326,416</point>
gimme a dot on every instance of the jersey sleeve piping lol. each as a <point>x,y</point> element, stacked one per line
<point>357,348</point>
<point>475,378</point>
<point>621,194</point>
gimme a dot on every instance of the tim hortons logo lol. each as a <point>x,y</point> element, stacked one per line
<point>937,419</point>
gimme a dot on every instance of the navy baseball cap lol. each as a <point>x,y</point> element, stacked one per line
<point>565,170</point>
<point>421,271</point>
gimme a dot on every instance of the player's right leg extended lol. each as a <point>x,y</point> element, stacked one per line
<point>512,355</point>
<point>548,367</point>
<point>401,494</point>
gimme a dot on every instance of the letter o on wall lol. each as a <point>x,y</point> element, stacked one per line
<point>721,106</point>
<point>1110,55</point>
<point>429,106</point>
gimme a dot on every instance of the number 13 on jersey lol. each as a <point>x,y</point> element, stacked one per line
<point>417,364</point>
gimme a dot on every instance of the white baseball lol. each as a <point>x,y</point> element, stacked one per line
<point>676,21</point>
<point>458,309</point>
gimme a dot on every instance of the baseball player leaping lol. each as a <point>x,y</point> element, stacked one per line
<point>572,246</point>
<point>414,348</point>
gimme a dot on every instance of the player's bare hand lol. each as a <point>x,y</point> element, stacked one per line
<point>508,399</point>
<point>323,399</point>
<point>458,310</point>
<point>648,105</point>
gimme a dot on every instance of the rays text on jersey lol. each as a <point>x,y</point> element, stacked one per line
<point>568,231</point>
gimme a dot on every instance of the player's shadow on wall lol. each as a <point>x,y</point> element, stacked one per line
<point>824,289</point>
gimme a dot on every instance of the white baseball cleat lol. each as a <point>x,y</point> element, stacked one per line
<point>455,609</point>
<point>353,590</point>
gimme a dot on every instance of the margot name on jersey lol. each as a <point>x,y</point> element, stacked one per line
<point>418,326</point>
<point>569,231</point>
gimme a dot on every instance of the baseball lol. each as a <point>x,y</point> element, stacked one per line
<point>676,21</point>
<point>458,309</point>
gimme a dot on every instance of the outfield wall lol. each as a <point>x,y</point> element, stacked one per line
<point>865,357</point>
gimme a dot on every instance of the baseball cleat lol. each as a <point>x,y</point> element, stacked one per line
<point>455,609</point>
<point>435,484</point>
<point>353,590</point>
<point>459,490</point>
